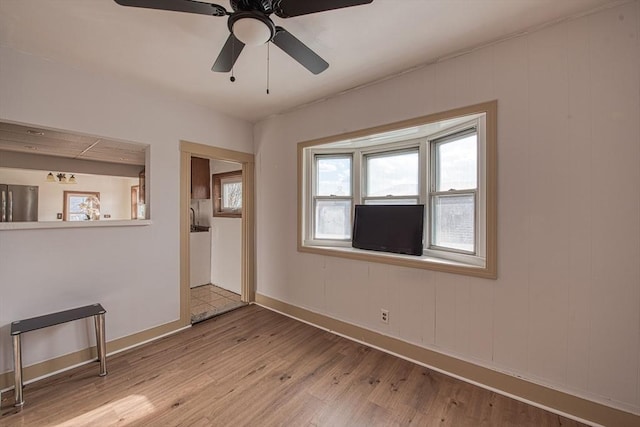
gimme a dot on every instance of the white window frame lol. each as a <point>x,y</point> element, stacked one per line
<point>479,255</point>
<point>482,117</point>
<point>313,173</point>
<point>398,148</point>
<point>236,179</point>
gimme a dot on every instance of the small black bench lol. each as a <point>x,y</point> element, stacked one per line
<point>27,325</point>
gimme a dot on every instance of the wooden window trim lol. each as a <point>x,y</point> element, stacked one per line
<point>490,268</point>
<point>65,199</point>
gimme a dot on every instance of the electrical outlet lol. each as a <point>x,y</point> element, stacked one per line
<point>384,315</point>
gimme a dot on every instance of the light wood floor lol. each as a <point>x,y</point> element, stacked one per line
<point>255,367</point>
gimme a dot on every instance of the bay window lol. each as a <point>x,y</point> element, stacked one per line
<point>446,163</point>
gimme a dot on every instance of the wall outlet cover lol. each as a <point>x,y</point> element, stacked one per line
<point>384,315</point>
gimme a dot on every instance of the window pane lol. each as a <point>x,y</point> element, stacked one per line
<point>333,219</point>
<point>78,217</point>
<point>392,174</point>
<point>333,176</point>
<point>82,207</point>
<point>232,195</point>
<point>456,162</point>
<point>391,201</point>
<point>454,222</point>
<point>75,202</point>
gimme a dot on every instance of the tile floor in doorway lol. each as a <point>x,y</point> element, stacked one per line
<point>210,300</point>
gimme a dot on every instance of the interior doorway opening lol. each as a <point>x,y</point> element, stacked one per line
<point>215,237</point>
<point>216,231</point>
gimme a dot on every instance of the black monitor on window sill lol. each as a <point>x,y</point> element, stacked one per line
<point>389,228</point>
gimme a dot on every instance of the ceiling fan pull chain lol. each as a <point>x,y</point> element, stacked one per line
<point>233,48</point>
<point>267,68</point>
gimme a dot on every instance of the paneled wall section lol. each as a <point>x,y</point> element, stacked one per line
<point>565,309</point>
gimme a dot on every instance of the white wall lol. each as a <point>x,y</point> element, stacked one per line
<point>199,258</point>
<point>226,253</point>
<point>132,271</point>
<point>115,192</point>
<point>565,310</point>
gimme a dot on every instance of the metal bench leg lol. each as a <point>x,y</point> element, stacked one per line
<point>101,344</point>
<point>17,370</point>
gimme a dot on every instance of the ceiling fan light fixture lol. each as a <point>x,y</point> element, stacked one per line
<point>249,24</point>
<point>252,29</point>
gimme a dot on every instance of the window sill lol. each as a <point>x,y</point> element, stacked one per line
<point>424,262</point>
<point>227,215</point>
<point>73,224</point>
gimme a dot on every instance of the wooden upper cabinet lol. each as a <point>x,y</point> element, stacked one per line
<point>200,181</point>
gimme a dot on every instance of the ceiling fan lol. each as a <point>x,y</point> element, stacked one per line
<point>249,24</point>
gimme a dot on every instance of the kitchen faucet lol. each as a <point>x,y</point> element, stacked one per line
<point>193,219</point>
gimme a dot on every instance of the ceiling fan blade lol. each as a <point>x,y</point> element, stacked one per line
<point>228,55</point>
<point>299,51</point>
<point>289,8</point>
<point>189,6</point>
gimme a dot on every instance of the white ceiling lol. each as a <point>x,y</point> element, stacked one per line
<point>173,52</point>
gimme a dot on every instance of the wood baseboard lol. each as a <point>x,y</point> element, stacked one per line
<point>566,404</point>
<point>48,367</point>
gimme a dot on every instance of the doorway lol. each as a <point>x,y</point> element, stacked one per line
<point>246,225</point>
<point>215,250</point>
